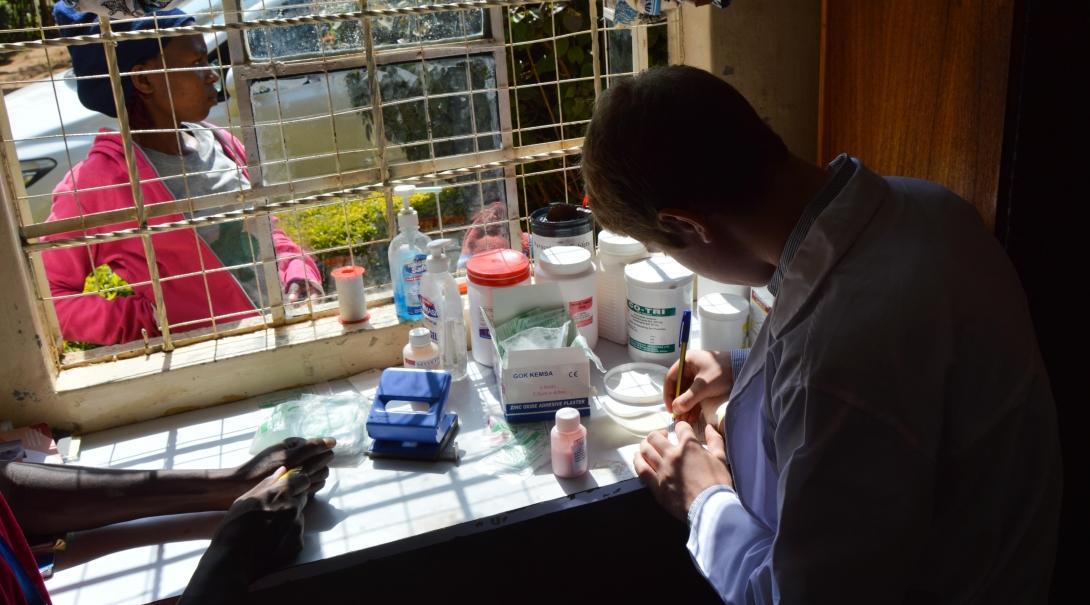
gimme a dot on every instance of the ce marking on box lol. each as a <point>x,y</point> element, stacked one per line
<point>573,374</point>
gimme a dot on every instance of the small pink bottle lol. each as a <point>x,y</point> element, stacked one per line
<point>569,444</point>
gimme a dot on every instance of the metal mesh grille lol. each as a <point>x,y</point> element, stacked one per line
<point>482,105</point>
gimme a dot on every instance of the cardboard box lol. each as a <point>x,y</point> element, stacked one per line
<point>535,384</point>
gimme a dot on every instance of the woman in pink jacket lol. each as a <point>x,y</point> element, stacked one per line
<point>206,271</point>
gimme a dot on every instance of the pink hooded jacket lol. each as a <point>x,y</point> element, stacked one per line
<point>94,319</point>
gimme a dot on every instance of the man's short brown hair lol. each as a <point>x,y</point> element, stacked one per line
<point>674,137</point>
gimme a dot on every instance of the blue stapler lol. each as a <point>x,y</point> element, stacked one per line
<point>406,418</point>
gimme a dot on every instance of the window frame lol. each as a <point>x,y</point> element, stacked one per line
<point>508,157</point>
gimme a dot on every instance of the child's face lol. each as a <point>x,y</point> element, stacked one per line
<point>183,96</point>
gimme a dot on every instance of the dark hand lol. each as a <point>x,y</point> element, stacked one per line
<point>263,528</point>
<point>310,456</point>
<point>677,474</point>
<point>284,494</point>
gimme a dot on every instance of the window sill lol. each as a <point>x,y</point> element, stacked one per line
<point>114,393</point>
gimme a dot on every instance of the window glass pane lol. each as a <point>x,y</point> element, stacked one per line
<point>297,139</point>
<point>298,41</point>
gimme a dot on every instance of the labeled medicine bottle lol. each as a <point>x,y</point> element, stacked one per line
<point>568,444</point>
<point>421,352</point>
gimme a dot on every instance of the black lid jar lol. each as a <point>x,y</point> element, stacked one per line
<point>560,224</point>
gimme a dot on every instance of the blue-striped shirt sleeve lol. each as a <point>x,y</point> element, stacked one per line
<point>738,359</point>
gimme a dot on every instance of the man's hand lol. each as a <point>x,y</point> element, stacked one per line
<point>706,382</point>
<point>310,456</point>
<point>297,290</point>
<point>677,474</point>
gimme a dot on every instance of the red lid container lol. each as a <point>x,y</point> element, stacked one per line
<point>348,272</point>
<point>498,268</point>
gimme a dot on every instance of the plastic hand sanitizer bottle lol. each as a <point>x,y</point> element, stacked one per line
<point>407,257</point>
<point>442,307</point>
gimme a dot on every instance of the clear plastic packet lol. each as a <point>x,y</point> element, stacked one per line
<point>341,415</point>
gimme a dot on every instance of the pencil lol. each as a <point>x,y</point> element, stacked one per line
<point>683,345</point>
<point>289,474</point>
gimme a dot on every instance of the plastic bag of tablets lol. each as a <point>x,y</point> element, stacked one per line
<point>542,328</point>
<point>341,415</point>
<point>510,452</point>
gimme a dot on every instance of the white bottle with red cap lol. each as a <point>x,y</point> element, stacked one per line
<point>568,444</point>
<point>486,272</point>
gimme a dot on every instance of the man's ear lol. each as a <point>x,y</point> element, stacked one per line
<point>688,225</point>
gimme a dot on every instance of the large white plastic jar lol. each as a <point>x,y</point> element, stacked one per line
<point>660,290</point>
<point>614,253</point>
<point>486,272</point>
<point>572,269</point>
<point>706,286</point>
<point>723,321</point>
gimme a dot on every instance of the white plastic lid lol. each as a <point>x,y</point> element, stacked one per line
<point>636,383</point>
<point>437,258</point>
<point>565,260</point>
<point>658,272</point>
<point>723,307</point>
<point>419,337</point>
<point>619,245</point>
<point>567,420</point>
<point>407,218</point>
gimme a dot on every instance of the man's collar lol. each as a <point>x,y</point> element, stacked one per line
<point>840,171</point>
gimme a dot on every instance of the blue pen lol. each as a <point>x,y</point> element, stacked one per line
<point>683,345</point>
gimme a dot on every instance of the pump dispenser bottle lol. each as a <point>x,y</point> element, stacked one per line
<point>408,257</point>
<point>442,306</point>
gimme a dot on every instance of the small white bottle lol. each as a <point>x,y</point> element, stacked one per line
<point>568,443</point>
<point>572,268</point>
<point>442,306</point>
<point>421,353</point>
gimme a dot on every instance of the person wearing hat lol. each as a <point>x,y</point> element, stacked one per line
<point>119,9</point>
<point>206,272</point>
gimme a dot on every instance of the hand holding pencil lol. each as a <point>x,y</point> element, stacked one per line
<point>704,378</point>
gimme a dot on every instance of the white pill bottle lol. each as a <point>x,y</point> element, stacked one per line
<point>572,269</point>
<point>614,253</point>
<point>660,290</point>
<point>723,321</point>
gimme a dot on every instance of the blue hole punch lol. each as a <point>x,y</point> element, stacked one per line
<point>416,428</point>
